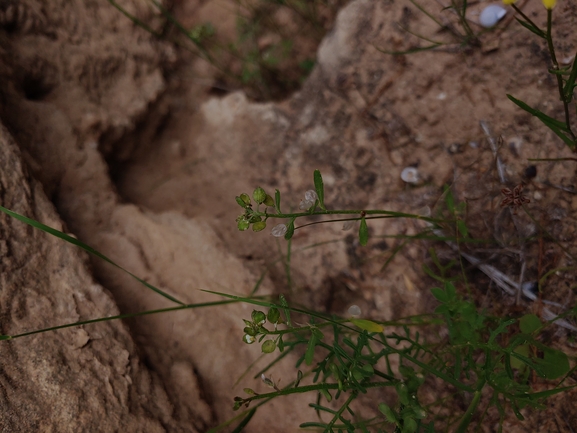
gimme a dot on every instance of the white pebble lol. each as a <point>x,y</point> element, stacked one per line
<point>355,310</point>
<point>410,175</point>
<point>491,15</point>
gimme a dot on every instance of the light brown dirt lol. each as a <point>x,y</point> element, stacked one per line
<point>143,165</point>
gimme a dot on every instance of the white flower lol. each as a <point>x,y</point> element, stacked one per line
<point>279,230</point>
<point>309,201</point>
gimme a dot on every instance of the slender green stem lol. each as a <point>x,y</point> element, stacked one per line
<point>385,213</point>
<point>520,12</point>
<point>309,388</point>
<point>341,410</point>
<point>551,47</point>
<point>117,317</point>
<point>466,420</point>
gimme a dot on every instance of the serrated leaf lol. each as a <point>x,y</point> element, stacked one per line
<point>529,323</point>
<point>363,232</point>
<point>320,188</point>
<point>367,325</point>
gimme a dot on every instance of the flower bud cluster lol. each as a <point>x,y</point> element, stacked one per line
<point>249,217</point>
<point>255,328</point>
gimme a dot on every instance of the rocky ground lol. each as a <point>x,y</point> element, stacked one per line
<point>116,137</point>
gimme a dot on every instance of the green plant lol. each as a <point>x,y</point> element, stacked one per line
<point>565,78</point>
<point>484,359</point>
<point>263,58</point>
<point>489,358</point>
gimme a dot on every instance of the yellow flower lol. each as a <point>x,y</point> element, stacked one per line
<point>549,4</point>
<point>509,2</point>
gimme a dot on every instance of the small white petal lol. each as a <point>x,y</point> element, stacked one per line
<point>311,195</point>
<point>279,230</point>
<point>306,204</point>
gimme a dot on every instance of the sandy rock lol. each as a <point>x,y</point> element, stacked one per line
<point>87,378</point>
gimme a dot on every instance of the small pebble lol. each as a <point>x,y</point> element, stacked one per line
<point>491,15</point>
<point>355,310</point>
<point>410,175</point>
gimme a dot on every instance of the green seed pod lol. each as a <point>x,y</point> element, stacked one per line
<point>258,226</point>
<point>248,339</point>
<point>240,202</point>
<point>403,393</point>
<point>258,317</point>
<point>259,195</point>
<point>273,315</point>
<point>243,224</point>
<point>246,199</point>
<point>389,413</point>
<point>269,201</point>
<point>268,346</point>
<point>409,425</point>
<point>250,331</point>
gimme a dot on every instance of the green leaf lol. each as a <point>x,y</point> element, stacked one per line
<point>554,363</point>
<point>540,115</point>
<point>320,188</point>
<point>389,413</point>
<point>440,294</point>
<point>529,323</point>
<point>558,127</point>
<point>570,84</point>
<point>286,310</point>
<point>290,230</point>
<point>310,353</point>
<point>462,228</point>
<point>500,329</point>
<point>277,200</point>
<point>523,350</point>
<point>363,232</point>
<point>451,291</point>
<point>532,28</point>
<point>367,325</point>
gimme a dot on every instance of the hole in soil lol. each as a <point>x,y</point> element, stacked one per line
<point>35,88</point>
